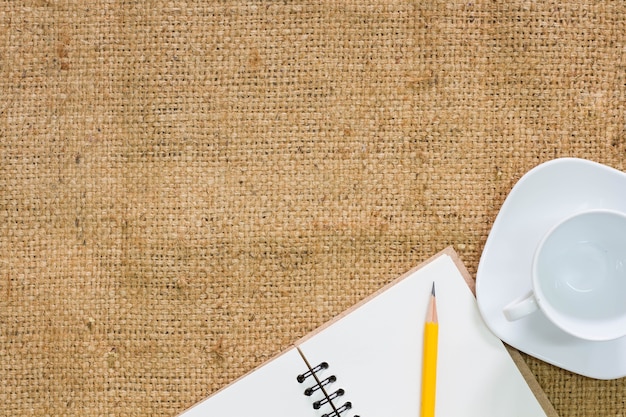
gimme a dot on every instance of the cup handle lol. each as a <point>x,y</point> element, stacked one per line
<point>521,307</point>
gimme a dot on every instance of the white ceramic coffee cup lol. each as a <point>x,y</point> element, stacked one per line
<point>579,276</point>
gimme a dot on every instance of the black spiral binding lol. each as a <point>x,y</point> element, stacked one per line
<point>330,399</point>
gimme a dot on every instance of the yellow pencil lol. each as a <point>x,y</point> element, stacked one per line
<point>429,363</point>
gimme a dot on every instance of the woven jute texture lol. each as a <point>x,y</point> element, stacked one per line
<point>186,188</point>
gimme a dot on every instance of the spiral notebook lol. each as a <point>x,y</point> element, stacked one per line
<point>367,361</point>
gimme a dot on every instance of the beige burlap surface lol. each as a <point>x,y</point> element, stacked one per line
<point>186,188</point>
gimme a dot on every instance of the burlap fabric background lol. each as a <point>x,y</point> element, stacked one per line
<point>187,188</point>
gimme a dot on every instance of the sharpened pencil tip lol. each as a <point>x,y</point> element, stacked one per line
<point>433,290</point>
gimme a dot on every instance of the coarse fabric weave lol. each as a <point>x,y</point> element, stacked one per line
<point>187,187</point>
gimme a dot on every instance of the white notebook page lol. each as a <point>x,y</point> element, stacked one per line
<point>375,353</point>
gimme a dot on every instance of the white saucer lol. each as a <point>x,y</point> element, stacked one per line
<point>546,194</point>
